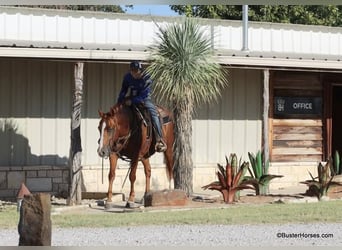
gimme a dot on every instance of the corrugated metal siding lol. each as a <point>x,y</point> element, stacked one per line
<point>36,99</point>
<point>289,38</point>
<point>110,30</point>
<point>34,112</point>
<point>233,125</point>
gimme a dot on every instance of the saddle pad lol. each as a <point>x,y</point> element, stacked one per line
<point>166,119</point>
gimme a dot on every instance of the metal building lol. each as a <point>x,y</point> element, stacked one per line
<point>285,63</point>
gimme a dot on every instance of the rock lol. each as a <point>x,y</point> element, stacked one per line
<point>325,198</point>
<point>166,198</point>
<point>35,220</point>
<point>23,190</point>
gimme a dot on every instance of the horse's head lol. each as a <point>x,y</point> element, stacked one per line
<point>113,126</point>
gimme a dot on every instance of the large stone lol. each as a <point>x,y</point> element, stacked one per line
<point>166,198</point>
<point>35,220</point>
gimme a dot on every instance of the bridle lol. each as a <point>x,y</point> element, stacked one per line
<point>118,144</point>
<point>122,141</point>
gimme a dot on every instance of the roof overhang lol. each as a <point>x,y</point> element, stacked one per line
<point>230,59</point>
<point>280,60</point>
<point>73,54</point>
<point>256,62</point>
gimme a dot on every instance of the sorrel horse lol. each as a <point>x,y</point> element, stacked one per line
<point>125,135</point>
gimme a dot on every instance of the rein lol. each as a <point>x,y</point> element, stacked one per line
<point>125,140</point>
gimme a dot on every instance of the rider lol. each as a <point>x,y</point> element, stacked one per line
<point>137,83</point>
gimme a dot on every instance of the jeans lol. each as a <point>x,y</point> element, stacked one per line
<point>154,114</point>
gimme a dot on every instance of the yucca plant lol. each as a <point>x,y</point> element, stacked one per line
<point>231,179</point>
<point>259,172</point>
<point>320,185</point>
<point>185,75</point>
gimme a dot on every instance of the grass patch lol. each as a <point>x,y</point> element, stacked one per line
<point>9,217</point>
<point>235,214</point>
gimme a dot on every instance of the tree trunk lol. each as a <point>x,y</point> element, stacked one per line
<point>76,147</point>
<point>183,166</point>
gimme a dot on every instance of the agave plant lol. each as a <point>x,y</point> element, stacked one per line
<point>336,166</point>
<point>231,179</point>
<point>320,185</point>
<point>259,172</point>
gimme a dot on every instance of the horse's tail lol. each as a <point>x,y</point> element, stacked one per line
<point>169,139</point>
<point>168,134</point>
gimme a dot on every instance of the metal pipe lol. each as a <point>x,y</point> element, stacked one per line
<point>245,28</point>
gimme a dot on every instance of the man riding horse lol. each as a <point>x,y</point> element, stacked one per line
<point>136,90</point>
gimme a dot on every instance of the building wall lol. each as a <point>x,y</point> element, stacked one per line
<point>35,111</point>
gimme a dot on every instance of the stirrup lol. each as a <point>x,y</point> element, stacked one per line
<point>160,146</point>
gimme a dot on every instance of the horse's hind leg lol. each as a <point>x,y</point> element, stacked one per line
<point>113,159</point>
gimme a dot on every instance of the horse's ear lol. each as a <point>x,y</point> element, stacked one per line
<point>101,114</point>
<point>112,111</point>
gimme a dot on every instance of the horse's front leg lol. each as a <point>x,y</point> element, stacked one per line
<point>113,159</point>
<point>147,169</point>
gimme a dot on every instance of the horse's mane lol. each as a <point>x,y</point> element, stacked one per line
<point>121,108</point>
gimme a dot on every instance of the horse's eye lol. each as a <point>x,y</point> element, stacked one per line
<point>109,130</point>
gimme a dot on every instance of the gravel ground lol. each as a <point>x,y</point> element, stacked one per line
<point>193,235</point>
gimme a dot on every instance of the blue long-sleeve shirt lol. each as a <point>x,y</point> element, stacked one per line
<point>137,89</point>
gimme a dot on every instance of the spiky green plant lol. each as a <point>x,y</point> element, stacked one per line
<point>320,185</point>
<point>231,179</point>
<point>259,172</point>
<point>336,166</point>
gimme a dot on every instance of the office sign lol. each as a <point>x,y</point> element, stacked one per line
<point>289,105</point>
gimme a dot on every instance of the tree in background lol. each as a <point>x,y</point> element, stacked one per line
<point>185,74</point>
<point>329,15</point>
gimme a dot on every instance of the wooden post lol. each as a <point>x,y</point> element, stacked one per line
<point>76,147</point>
<point>266,105</point>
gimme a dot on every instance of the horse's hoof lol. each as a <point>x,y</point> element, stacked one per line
<point>131,204</point>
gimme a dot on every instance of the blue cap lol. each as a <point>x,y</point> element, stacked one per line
<point>135,65</point>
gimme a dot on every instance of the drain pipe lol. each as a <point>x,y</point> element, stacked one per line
<point>245,28</point>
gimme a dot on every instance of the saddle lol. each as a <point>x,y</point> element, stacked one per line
<point>144,116</point>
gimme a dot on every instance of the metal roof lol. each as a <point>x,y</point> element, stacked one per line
<point>75,35</point>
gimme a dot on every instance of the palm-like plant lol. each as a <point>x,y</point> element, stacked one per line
<point>185,74</point>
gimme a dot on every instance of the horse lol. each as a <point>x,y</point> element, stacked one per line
<point>127,134</point>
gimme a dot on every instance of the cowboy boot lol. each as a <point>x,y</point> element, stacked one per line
<point>160,145</point>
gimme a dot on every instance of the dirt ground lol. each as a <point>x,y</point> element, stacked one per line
<point>197,201</point>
